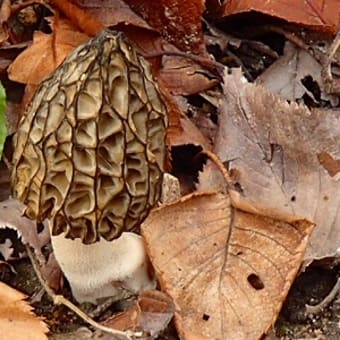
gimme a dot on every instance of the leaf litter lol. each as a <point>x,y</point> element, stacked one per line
<point>227,258</point>
<point>275,149</point>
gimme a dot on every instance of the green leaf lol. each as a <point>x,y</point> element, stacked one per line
<point>3,129</point>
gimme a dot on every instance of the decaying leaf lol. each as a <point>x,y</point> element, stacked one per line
<point>4,182</point>
<point>317,14</point>
<point>46,53</point>
<point>111,13</point>
<point>151,314</point>
<point>227,271</point>
<point>12,217</point>
<point>17,321</point>
<point>286,76</point>
<point>184,77</point>
<point>177,21</point>
<point>275,149</point>
<point>52,273</point>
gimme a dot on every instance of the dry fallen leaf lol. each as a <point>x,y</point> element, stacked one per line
<point>17,321</point>
<point>12,217</point>
<point>227,271</point>
<point>278,151</point>
<point>111,13</point>
<point>179,22</point>
<point>151,314</point>
<point>316,14</point>
<point>183,77</point>
<point>46,53</point>
<point>286,76</point>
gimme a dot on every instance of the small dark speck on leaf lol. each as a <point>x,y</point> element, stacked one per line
<point>293,198</point>
<point>205,317</point>
<point>255,281</point>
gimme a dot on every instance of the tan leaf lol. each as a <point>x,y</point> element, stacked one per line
<point>17,321</point>
<point>12,217</point>
<point>227,271</point>
<point>285,77</point>
<point>45,54</point>
<point>279,152</point>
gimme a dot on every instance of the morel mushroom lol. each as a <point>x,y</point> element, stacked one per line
<point>89,157</point>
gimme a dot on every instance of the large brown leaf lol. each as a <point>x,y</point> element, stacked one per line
<point>227,271</point>
<point>179,22</point>
<point>320,14</point>
<point>46,53</point>
<point>285,156</point>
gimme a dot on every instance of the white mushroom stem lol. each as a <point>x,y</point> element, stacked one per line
<point>101,269</point>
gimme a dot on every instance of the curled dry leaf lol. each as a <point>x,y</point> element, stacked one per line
<point>227,271</point>
<point>46,53</point>
<point>285,157</point>
<point>17,321</point>
<point>183,77</point>
<point>151,314</point>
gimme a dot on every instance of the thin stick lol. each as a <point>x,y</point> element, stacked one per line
<point>61,300</point>
<point>331,85</point>
<point>214,158</point>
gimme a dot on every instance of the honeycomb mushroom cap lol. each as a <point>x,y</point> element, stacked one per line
<point>89,152</point>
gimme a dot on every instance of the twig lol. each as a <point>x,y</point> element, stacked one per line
<point>214,158</point>
<point>61,300</point>
<point>315,309</point>
<point>326,73</point>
